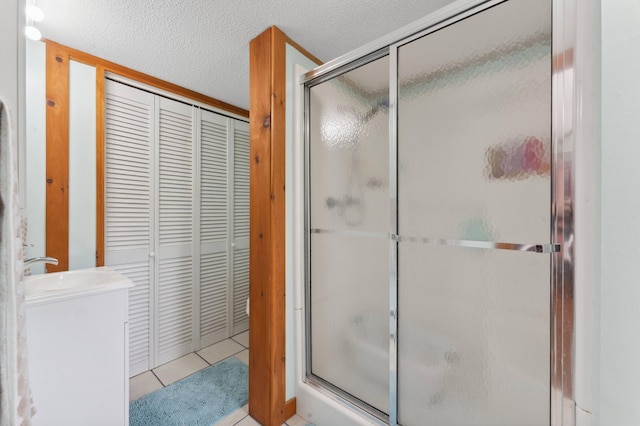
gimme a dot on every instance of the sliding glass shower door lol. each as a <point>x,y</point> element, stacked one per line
<point>430,250</point>
<point>474,188</point>
<point>348,219</point>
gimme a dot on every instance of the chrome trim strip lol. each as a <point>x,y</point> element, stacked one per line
<point>343,68</point>
<point>533,248</point>
<point>307,222</point>
<point>346,399</point>
<point>393,230</point>
<point>432,22</point>
<point>349,233</point>
<point>563,118</point>
<point>555,391</point>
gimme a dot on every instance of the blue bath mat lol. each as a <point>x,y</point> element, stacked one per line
<point>200,399</point>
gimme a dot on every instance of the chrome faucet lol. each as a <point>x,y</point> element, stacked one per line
<point>45,259</point>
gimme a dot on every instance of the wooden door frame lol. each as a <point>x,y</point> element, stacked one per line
<point>267,319</point>
<point>58,57</point>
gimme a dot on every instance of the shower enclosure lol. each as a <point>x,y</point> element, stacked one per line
<point>438,223</point>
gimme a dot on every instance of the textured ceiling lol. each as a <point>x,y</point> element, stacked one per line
<point>203,45</point>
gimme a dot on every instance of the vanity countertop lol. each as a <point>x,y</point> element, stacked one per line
<point>58,286</point>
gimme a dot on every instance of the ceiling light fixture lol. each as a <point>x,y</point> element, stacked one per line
<point>33,33</point>
<point>32,14</point>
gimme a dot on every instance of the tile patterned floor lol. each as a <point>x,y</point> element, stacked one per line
<point>220,351</point>
<point>241,418</point>
<point>238,346</point>
<point>180,368</point>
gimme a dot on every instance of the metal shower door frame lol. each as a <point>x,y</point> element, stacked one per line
<point>563,117</point>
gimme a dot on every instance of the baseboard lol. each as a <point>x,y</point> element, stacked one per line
<point>290,408</point>
<point>241,327</point>
<point>211,338</point>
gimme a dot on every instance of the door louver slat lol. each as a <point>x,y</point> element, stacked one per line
<point>213,297</point>
<point>213,228</point>
<point>128,134</point>
<point>152,191</point>
<point>240,288</point>
<point>175,308</point>
<point>175,228</point>
<point>240,226</point>
<point>213,192</point>
<point>138,314</point>
<point>241,181</point>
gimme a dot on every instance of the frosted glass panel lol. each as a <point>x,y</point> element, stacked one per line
<point>349,221</point>
<point>349,315</point>
<point>474,127</point>
<point>474,164</point>
<point>349,148</point>
<point>473,345</point>
<point>474,154</point>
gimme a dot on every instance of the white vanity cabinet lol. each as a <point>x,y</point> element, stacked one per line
<point>78,356</point>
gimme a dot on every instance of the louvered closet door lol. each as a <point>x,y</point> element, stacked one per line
<point>214,228</point>
<point>175,246</point>
<point>240,225</point>
<point>129,135</point>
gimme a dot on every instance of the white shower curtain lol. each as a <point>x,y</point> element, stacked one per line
<point>15,396</point>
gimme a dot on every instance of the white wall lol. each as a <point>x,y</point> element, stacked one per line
<point>586,131</point>
<point>9,100</point>
<point>9,57</point>
<point>294,57</point>
<point>617,336</point>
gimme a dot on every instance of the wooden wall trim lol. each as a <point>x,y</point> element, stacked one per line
<point>261,368</point>
<point>57,157</point>
<point>267,319</point>
<point>112,67</point>
<point>100,165</point>
<point>278,226</point>
<point>290,408</point>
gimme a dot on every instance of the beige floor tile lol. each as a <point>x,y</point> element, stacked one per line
<point>242,338</point>
<point>296,420</point>
<point>243,356</point>
<point>179,368</point>
<point>248,421</point>
<point>234,417</point>
<point>143,384</point>
<point>220,351</point>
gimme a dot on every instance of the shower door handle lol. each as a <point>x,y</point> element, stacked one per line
<point>534,248</point>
